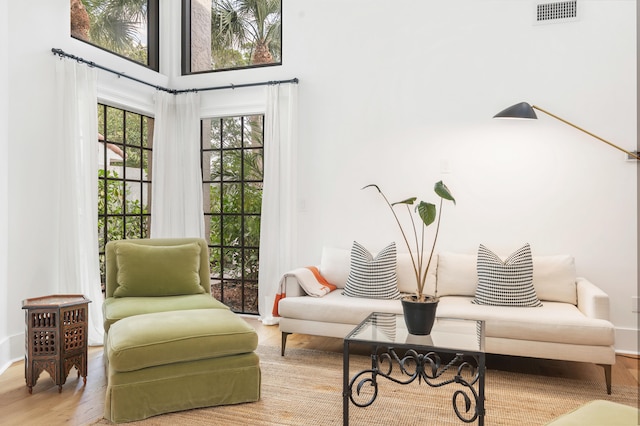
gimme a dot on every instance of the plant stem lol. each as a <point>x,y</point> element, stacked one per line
<point>435,239</point>
<point>417,268</point>
<point>406,241</point>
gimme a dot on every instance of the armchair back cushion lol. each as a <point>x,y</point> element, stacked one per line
<point>158,270</point>
<point>157,267</point>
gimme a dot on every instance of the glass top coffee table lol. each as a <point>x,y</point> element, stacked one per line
<point>452,355</point>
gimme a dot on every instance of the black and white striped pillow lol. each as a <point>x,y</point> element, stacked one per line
<point>508,283</point>
<point>373,278</point>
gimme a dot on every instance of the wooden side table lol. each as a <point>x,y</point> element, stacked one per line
<point>55,337</point>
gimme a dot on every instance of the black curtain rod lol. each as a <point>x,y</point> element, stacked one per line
<point>62,53</point>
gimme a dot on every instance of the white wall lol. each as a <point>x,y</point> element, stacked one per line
<point>400,94</point>
<point>28,116</point>
<point>5,355</point>
<point>410,93</point>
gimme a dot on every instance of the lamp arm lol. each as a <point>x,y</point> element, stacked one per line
<point>586,131</point>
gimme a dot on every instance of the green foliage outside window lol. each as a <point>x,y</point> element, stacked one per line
<point>129,218</point>
<point>233,34</point>
<point>124,127</point>
<point>233,160</point>
<point>246,32</point>
<point>120,26</point>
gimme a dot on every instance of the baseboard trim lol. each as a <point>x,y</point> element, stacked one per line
<point>11,350</point>
<point>628,354</point>
<point>627,341</point>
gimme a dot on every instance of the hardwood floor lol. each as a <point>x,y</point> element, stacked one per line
<point>82,405</point>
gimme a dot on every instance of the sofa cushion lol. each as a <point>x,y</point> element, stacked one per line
<point>372,277</point>
<point>553,322</point>
<point>117,308</point>
<point>157,270</point>
<point>598,413</point>
<point>170,337</point>
<point>407,278</point>
<point>457,274</point>
<point>508,282</point>
<point>335,307</point>
<point>554,278</point>
<point>334,265</point>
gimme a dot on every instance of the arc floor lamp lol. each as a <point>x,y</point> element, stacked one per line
<point>524,110</point>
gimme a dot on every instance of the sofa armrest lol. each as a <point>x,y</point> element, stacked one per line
<point>592,301</point>
<point>293,288</point>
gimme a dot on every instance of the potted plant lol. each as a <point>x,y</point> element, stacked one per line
<point>420,309</point>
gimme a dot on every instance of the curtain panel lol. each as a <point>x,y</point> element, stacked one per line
<point>176,188</point>
<point>77,189</point>
<point>278,221</point>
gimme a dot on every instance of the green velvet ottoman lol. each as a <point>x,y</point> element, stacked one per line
<point>177,360</point>
<point>600,413</point>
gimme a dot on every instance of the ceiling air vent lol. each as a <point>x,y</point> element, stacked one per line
<point>562,11</point>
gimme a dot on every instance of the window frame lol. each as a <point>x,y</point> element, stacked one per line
<point>219,249</point>
<point>153,38</point>
<point>104,181</point>
<point>185,42</point>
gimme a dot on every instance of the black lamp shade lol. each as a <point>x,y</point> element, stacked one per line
<point>521,110</point>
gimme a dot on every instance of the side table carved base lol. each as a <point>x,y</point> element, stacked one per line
<point>55,337</point>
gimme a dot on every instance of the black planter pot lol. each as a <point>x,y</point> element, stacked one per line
<point>419,316</point>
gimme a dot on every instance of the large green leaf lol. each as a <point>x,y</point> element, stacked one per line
<point>442,191</point>
<point>427,212</point>
<point>407,201</point>
<point>374,185</point>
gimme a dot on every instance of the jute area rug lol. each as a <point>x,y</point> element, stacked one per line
<point>305,388</point>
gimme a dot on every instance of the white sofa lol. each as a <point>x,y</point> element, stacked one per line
<point>573,323</point>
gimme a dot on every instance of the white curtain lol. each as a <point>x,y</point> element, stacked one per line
<point>77,197</point>
<point>176,190</point>
<point>278,244</point>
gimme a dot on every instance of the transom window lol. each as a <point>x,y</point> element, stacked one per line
<point>124,177</point>
<point>232,176</point>
<point>128,28</point>
<point>230,34</point>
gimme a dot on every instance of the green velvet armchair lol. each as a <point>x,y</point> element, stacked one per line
<point>169,345</point>
<point>156,275</point>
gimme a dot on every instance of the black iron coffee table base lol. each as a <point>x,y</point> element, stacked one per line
<point>465,371</point>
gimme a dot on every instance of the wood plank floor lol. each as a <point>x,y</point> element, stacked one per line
<point>82,405</point>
